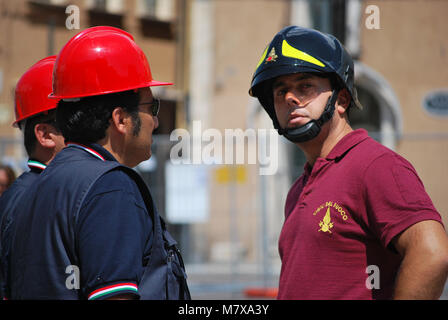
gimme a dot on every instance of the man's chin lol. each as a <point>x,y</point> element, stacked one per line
<point>297,124</point>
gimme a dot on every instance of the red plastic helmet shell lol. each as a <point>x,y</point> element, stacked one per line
<point>100,60</point>
<point>32,90</point>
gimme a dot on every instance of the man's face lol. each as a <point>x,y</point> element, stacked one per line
<point>300,98</point>
<point>138,144</point>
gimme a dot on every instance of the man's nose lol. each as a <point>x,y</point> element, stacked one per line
<point>292,99</point>
<point>156,122</point>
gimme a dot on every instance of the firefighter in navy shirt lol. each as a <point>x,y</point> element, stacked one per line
<point>35,116</point>
<point>90,228</point>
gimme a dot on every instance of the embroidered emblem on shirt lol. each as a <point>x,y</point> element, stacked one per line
<point>326,224</point>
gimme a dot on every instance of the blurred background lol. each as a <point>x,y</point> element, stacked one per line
<point>227,218</point>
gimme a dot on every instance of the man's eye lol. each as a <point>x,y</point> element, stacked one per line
<point>280,92</point>
<point>306,85</point>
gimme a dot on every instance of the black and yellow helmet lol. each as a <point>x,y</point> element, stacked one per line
<point>296,49</point>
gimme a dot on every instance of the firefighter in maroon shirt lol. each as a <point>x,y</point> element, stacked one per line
<point>358,222</point>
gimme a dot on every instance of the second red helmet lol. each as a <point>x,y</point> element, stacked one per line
<point>32,89</point>
<point>100,60</point>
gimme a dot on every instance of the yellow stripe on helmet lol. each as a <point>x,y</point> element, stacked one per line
<point>291,52</point>
<point>262,57</point>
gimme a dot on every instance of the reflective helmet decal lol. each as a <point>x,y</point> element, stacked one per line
<point>291,52</point>
<point>272,56</point>
<point>262,58</point>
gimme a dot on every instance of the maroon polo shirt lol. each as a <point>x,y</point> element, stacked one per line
<point>341,216</point>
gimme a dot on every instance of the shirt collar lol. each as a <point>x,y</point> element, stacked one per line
<point>342,147</point>
<point>36,166</point>
<point>94,149</point>
<point>346,143</point>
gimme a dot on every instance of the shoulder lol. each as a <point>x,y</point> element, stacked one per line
<point>384,165</point>
<point>23,181</point>
<point>370,155</point>
<point>390,175</point>
<point>115,182</point>
<point>370,149</point>
<point>19,186</point>
<point>384,159</point>
<point>113,196</point>
<point>12,199</point>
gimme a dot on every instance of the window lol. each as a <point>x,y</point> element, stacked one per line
<point>53,2</point>
<point>105,12</point>
<point>109,6</point>
<point>49,2</point>
<point>157,9</point>
<point>329,16</point>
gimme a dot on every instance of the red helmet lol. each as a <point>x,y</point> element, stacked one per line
<point>32,89</point>
<point>100,60</point>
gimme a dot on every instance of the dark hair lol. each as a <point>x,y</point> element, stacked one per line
<point>86,121</point>
<point>28,125</point>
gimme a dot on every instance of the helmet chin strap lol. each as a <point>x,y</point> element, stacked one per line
<point>311,129</point>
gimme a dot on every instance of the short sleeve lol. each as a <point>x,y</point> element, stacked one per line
<point>113,232</point>
<point>396,197</point>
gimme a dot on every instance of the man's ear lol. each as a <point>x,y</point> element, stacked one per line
<point>44,133</point>
<point>343,101</point>
<point>119,119</point>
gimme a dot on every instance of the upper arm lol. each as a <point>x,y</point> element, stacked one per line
<point>397,202</point>
<point>113,233</point>
<point>424,267</point>
<point>426,238</point>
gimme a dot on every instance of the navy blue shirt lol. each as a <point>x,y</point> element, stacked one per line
<point>112,233</point>
<point>10,202</point>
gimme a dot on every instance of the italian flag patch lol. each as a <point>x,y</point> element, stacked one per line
<point>113,289</point>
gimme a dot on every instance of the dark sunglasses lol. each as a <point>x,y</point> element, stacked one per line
<point>155,106</point>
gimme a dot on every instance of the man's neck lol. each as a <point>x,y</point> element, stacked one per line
<point>115,151</point>
<point>322,145</point>
<point>43,155</point>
